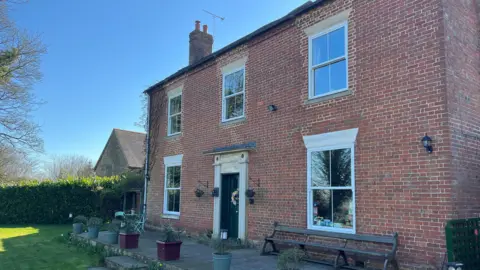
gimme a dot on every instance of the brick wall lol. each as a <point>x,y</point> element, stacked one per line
<point>398,83</point>
<point>463,88</point>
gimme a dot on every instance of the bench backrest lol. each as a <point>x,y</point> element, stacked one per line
<point>356,237</point>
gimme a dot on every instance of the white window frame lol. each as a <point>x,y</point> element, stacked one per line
<point>224,98</point>
<point>344,139</point>
<point>311,68</point>
<point>171,161</point>
<point>169,131</point>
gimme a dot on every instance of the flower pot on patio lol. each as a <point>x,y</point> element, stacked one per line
<point>222,261</point>
<point>93,232</point>
<point>78,223</point>
<point>168,251</point>
<point>111,236</point>
<point>77,228</point>
<point>129,240</point>
<point>221,257</point>
<point>94,225</point>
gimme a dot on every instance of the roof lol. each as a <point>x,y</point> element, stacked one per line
<point>293,14</point>
<point>132,145</point>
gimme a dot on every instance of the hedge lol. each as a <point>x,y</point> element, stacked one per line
<point>50,202</point>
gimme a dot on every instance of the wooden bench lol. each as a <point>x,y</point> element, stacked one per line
<point>341,249</point>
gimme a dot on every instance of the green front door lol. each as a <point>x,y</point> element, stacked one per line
<point>229,210</point>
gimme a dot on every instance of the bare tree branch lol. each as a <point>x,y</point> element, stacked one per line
<point>73,165</point>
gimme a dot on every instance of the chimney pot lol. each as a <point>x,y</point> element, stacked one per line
<point>201,43</point>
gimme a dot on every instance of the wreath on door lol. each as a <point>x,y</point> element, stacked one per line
<point>235,197</point>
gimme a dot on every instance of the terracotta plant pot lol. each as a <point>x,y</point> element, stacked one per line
<point>129,240</point>
<point>168,251</point>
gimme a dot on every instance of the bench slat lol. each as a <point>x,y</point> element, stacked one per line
<point>347,236</point>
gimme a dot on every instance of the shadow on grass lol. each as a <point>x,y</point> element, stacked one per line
<point>40,247</point>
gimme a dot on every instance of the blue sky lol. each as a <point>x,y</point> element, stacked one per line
<point>102,54</point>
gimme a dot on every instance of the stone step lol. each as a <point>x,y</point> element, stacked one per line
<point>124,263</point>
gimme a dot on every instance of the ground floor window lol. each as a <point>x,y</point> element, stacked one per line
<point>173,171</point>
<point>330,184</point>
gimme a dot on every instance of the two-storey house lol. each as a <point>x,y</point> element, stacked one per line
<point>322,113</point>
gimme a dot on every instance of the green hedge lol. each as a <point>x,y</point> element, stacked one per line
<point>51,202</point>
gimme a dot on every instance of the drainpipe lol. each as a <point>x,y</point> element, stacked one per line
<point>147,155</point>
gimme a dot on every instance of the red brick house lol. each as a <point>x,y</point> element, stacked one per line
<point>322,113</point>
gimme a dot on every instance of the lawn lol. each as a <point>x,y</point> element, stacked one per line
<point>40,247</point>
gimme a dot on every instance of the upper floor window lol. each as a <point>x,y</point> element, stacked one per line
<point>233,95</point>
<point>175,114</point>
<point>328,61</point>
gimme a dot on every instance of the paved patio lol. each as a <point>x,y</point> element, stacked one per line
<point>195,256</point>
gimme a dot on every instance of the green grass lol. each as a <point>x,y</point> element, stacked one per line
<point>40,247</point>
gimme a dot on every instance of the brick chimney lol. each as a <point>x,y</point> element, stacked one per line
<point>201,43</point>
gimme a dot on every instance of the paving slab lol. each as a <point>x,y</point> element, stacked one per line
<point>195,256</point>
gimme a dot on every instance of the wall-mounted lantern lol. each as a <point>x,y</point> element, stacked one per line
<point>250,194</point>
<point>216,192</point>
<point>427,143</point>
<point>272,108</point>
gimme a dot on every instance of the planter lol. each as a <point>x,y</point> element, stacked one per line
<point>77,228</point>
<point>129,240</point>
<point>222,261</point>
<point>111,237</point>
<point>93,232</point>
<point>168,251</point>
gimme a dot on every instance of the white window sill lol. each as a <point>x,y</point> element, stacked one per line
<point>232,121</point>
<point>331,229</point>
<point>317,99</point>
<point>171,216</point>
<point>173,136</point>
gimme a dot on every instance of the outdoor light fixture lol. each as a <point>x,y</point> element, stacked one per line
<point>224,234</point>
<point>250,193</point>
<point>70,215</point>
<point>272,108</point>
<point>454,266</point>
<point>427,143</point>
<point>216,192</point>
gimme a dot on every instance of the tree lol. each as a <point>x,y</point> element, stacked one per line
<point>19,70</point>
<point>61,167</point>
<point>15,166</point>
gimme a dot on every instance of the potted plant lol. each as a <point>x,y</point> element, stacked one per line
<point>94,224</point>
<point>128,234</point>
<point>199,193</point>
<point>112,233</point>
<point>290,259</point>
<point>78,223</point>
<point>221,257</point>
<point>168,249</point>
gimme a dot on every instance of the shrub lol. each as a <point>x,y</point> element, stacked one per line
<point>95,222</point>
<point>114,226</point>
<point>50,202</point>
<point>290,259</point>
<point>80,219</point>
